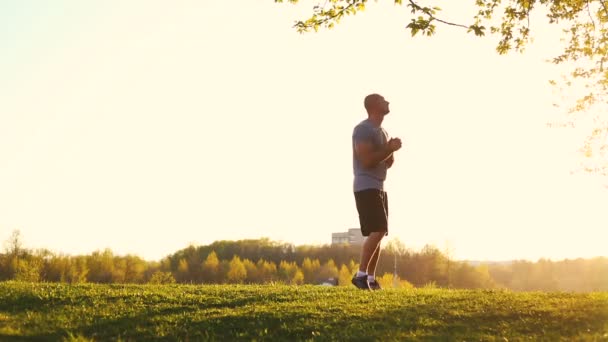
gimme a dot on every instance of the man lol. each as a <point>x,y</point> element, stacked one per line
<point>372,156</point>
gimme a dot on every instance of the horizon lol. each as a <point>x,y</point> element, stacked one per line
<point>408,248</point>
<point>143,128</point>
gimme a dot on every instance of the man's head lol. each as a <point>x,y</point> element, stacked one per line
<point>376,105</point>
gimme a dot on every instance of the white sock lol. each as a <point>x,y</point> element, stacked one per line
<point>371,277</point>
<point>361,274</point>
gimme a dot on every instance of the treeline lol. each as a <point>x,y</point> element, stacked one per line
<point>264,261</point>
<point>580,275</point>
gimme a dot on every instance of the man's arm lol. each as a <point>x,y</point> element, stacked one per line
<point>366,153</point>
<point>390,160</point>
<point>368,157</point>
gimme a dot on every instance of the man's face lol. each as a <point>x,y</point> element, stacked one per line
<point>383,105</point>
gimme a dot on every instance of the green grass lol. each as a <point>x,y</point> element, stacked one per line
<point>30,311</point>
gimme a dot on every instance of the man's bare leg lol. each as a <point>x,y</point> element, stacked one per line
<point>368,250</point>
<point>371,268</point>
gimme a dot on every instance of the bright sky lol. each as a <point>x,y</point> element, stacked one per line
<point>144,126</point>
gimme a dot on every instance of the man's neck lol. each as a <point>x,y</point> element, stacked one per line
<point>376,120</point>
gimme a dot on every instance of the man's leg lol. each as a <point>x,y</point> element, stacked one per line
<point>372,242</point>
<point>372,215</point>
<point>371,268</point>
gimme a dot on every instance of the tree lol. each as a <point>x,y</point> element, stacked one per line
<point>101,266</point>
<point>14,244</point>
<point>267,270</point>
<point>253,275</point>
<point>284,271</point>
<point>327,271</point>
<point>310,269</point>
<point>222,274</point>
<point>430,265</point>
<point>353,267</point>
<point>120,270</point>
<point>182,270</point>
<point>210,268</point>
<point>237,272</point>
<point>448,252</point>
<point>134,270</point>
<point>395,246</point>
<point>523,276</point>
<point>388,280</point>
<point>344,276</point>
<point>27,269</point>
<point>583,22</point>
<point>77,271</point>
<point>160,277</point>
<point>290,273</point>
<point>298,278</point>
<point>56,268</point>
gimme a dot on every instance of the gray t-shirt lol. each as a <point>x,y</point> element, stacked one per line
<point>372,178</point>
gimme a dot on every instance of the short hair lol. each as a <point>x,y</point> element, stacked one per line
<point>369,100</point>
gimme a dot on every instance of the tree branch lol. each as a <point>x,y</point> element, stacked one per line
<point>327,18</point>
<point>590,16</point>
<point>432,17</point>
<point>604,5</point>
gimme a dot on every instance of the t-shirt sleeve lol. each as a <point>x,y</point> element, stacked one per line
<point>363,134</point>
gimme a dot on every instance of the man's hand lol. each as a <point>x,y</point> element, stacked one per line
<point>389,161</point>
<point>370,158</point>
<point>394,144</point>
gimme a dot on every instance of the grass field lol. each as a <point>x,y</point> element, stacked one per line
<point>87,312</point>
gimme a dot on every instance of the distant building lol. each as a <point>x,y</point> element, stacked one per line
<point>352,237</point>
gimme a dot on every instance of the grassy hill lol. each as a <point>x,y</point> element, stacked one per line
<point>37,311</point>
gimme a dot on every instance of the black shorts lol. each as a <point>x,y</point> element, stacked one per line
<point>372,205</point>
